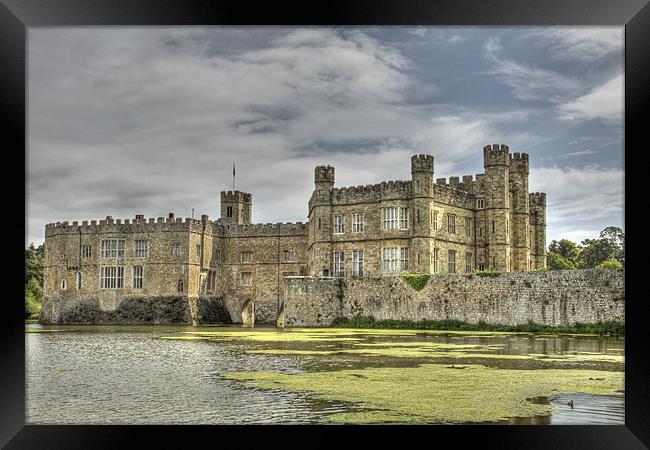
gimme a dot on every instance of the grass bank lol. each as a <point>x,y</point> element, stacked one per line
<point>610,328</point>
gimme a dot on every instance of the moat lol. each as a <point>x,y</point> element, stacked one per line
<point>222,375</point>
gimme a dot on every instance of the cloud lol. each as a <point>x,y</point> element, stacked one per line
<point>150,121</point>
<point>579,195</point>
<point>526,81</point>
<point>580,44</point>
<point>605,102</point>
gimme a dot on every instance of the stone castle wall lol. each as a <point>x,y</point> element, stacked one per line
<point>548,298</point>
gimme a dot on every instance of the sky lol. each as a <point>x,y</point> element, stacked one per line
<point>149,120</point>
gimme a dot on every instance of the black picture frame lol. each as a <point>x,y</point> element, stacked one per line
<point>18,15</point>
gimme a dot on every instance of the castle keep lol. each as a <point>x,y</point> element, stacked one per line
<point>490,221</point>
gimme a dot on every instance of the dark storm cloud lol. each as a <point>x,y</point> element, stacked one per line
<point>126,121</point>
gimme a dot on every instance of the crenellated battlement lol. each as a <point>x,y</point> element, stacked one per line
<point>393,189</point>
<point>421,163</point>
<point>537,199</point>
<point>519,163</point>
<point>137,225</point>
<point>496,155</point>
<point>267,229</point>
<point>468,184</point>
<point>236,197</point>
<point>324,174</point>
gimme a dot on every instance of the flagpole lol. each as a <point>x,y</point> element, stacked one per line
<point>233,176</point>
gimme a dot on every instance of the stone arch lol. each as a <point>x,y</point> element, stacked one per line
<point>248,314</point>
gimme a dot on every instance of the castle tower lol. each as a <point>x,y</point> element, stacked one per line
<point>519,216</point>
<point>537,202</point>
<point>496,161</point>
<point>320,222</point>
<point>422,170</point>
<point>236,208</point>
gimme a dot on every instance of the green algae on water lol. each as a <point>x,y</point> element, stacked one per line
<point>434,393</point>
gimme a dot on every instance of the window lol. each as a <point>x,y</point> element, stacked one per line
<point>217,255</point>
<point>319,223</point>
<point>480,203</point>
<point>339,264</point>
<point>451,223</point>
<point>338,225</point>
<point>111,277</point>
<point>137,277</point>
<point>481,266</point>
<point>228,213</point>
<point>468,262</point>
<point>436,260</point>
<point>357,263</point>
<point>494,262</point>
<point>289,255</point>
<point>434,220</point>
<point>246,257</point>
<point>394,218</point>
<point>141,249</point>
<point>451,260</point>
<point>357,223</point>
<point>404,258</point>
<point>494,227</point>
<point>63,285</point>
<point>212,280</point>
<point>468,227</point>
<point>112,248</point>
<point>246,278</point>
<point>176,249</point>
<point>86,251</point>
<point>179,286</point>
<point>390,258</point>
<point>199,249</point>
<point>78,281</point>
<point>417,214</point>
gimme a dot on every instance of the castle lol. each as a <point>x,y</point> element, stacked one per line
<point>417,225</point>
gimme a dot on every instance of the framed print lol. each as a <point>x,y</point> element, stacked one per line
<point>361,214</point>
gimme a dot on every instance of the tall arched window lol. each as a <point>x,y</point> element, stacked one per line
<point>180,285</point>
<point>78,282</point>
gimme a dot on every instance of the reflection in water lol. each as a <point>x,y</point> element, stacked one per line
<point>127,374</point>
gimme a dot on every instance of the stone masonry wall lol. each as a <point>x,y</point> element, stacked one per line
<point>548,298</point>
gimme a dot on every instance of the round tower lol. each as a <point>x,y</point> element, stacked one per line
<point>320,218</point>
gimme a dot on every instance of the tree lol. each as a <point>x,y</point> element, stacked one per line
<point>616,235</point>
<point>34,263</point>
<point>569,250</point>
<point>556,261</point>
<point>610,245</point>
<point>33,280</point>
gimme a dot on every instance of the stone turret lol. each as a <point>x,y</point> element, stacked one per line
<point>519,217</point>
<point>422,170</point>
<point>236,208</point>
<point>496,160</point>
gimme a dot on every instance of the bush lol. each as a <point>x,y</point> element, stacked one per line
<point>600,328</point>
<point>417,281</point>
<point>611,263</point>
<point>486,273</point>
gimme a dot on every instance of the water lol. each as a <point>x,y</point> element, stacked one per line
<point>129,375</point>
